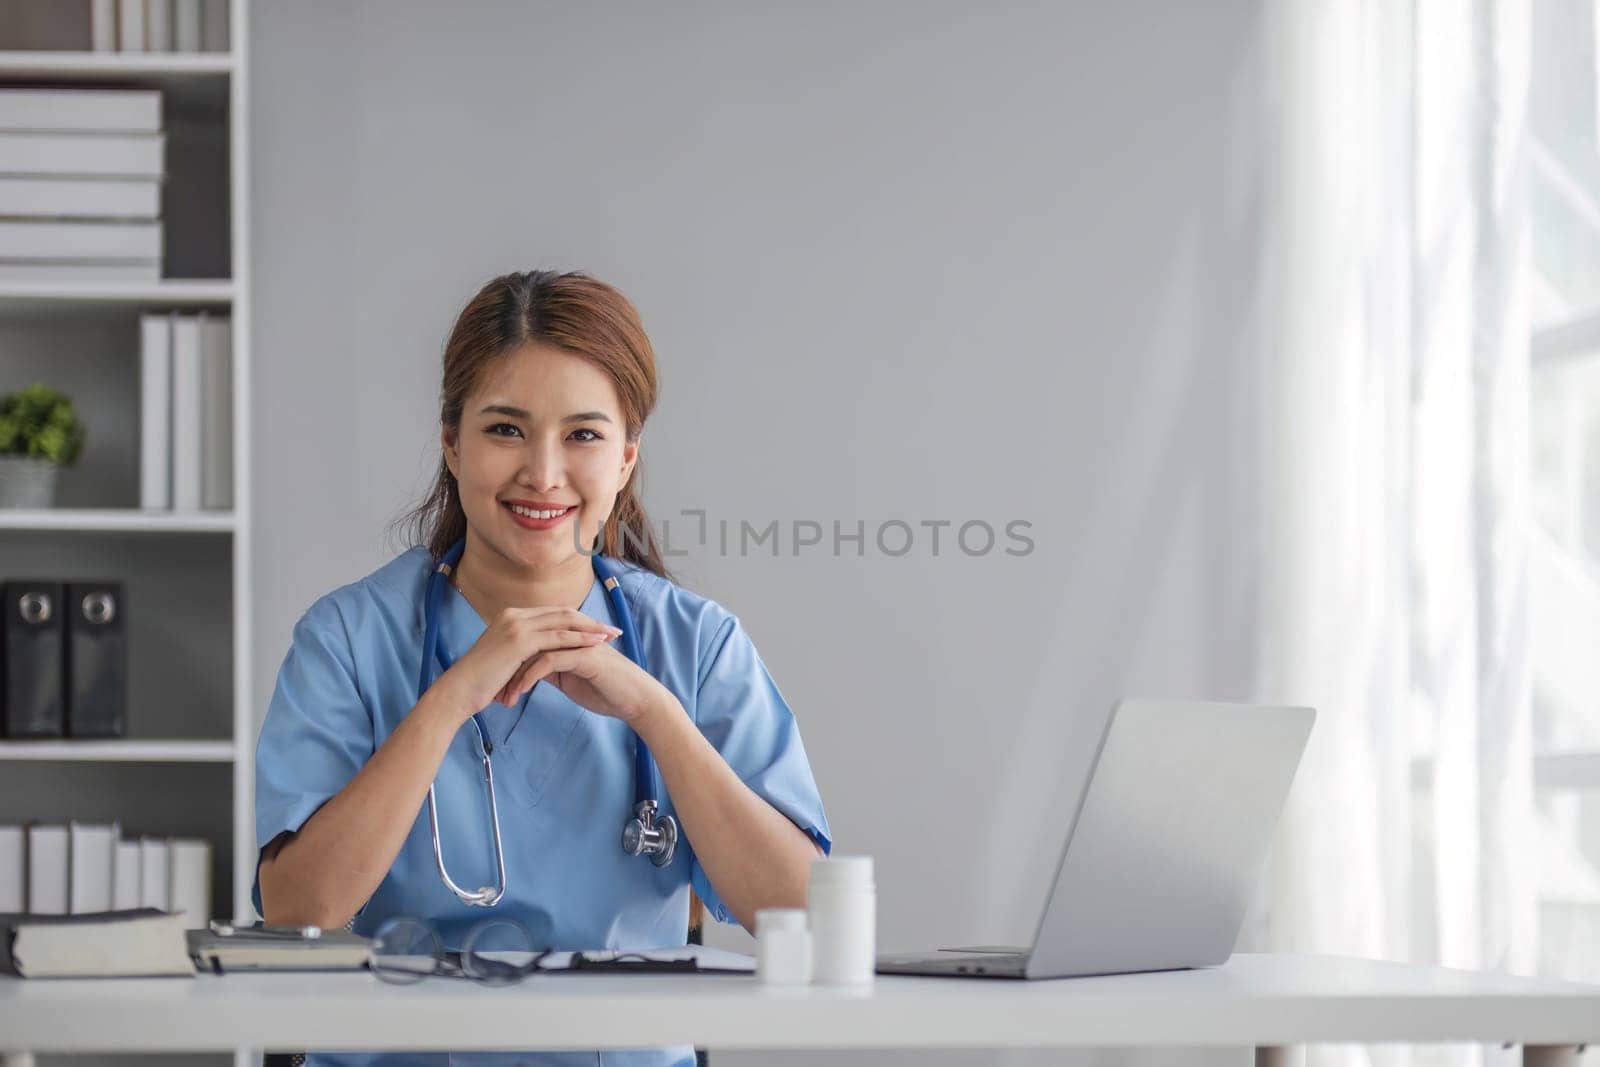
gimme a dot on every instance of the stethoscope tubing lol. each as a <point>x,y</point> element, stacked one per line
<point>641,826</point>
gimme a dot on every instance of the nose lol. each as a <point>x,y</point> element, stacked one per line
<point>543,467</point>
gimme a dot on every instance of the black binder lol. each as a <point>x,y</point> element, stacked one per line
<point>31,700</point>
<point>97,660</point>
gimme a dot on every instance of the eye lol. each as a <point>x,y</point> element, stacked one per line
<point>491,430</point>
<point>593,434</point>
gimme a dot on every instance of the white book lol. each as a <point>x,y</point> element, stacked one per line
<point>103,25</point>
<point>92,867</point>
<point>216,418</point>
<point>81,110</point>
<point>88,155</point>
<point>158,25</point>
<point>186,407</point>
<point>214,26</point>
<point>98,198</point>
<point>155,412</point>
<point>13,870</point>
<point>98,946</point>
<point>186,25</point>
<point>153,884</point>
<point>64,272</point>
<point>125,890</point>
<point>77,239</point>
<point>189,881</point>
<point>48,868</point>
<point>130,25</point>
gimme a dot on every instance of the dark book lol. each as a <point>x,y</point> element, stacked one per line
<point>102,944</point>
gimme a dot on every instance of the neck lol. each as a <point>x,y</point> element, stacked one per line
<point>492,583</point>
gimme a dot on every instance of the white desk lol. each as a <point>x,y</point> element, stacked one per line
<point>1271,1002</point>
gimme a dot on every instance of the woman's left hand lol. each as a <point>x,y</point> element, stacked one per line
<point>600,678</point>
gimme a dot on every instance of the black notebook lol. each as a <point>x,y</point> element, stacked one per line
<point>101,944</point>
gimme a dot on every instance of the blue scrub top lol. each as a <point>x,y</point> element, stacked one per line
<point>563,774</point>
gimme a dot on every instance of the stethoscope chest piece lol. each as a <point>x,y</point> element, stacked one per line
<point>644,834</point>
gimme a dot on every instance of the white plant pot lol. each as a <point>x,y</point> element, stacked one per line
<point>27,482</point>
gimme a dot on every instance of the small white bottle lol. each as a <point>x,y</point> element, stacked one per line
<point>842,904</point>
<point>783,946</point>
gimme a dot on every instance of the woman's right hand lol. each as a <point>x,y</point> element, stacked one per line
<point>514,637</point>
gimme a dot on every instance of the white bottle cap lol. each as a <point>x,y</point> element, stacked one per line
<point>846,872</point>
<point>780,920</point>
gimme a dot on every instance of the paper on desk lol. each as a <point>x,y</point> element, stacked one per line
<point>711,958</point>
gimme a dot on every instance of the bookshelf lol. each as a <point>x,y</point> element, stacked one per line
<point>186,767</point>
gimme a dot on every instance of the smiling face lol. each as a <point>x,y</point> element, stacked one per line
<point>542,431</point>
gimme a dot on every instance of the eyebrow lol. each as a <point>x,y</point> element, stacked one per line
<point>521,413</point>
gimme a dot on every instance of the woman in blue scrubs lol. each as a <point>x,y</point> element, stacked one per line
<point>548,379</point>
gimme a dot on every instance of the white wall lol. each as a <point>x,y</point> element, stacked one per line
<point>911,261</point>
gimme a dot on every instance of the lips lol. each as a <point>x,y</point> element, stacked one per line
<point>528,522</point>
<point>548,510</point>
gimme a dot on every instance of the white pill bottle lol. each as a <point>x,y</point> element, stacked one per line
<point>842,911</point>
<point>783,946</point>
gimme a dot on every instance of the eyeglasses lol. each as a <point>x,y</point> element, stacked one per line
<point>406,949</point>
<point>498,951</point>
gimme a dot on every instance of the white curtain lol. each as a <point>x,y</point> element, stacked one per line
<point>1395,484</point>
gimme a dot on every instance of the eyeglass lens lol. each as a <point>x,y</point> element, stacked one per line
<point>405,950</point>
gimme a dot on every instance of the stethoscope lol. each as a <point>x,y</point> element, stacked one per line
<point>645,834</point>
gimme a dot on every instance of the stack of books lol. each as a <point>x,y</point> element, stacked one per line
<point>80,184</point>
<point>186,413</point>
<point>83,868</point>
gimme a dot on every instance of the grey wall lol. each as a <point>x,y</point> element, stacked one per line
<point>915,261</point>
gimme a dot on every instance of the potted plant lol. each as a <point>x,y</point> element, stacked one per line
<point>39,434</point>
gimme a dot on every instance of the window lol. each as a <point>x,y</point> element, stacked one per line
<point>1563,187</point>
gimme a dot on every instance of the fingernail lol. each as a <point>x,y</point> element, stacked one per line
<point>614,631</point>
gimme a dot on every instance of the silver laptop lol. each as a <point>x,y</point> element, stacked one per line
<point>1169,838</point>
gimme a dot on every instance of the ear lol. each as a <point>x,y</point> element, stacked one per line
<point>630,459</point>
<point>447,445</point>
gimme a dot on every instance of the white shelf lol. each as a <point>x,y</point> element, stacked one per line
<point>189,81</point>
<point>145,68</point>
<point>116,520</point>
<point>128,297</point>
<point>120,751</point>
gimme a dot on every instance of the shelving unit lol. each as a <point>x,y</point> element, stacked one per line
<point>185,769</point>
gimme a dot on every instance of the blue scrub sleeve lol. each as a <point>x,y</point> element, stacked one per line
<point>317,733</point>
<point>740,711</point>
